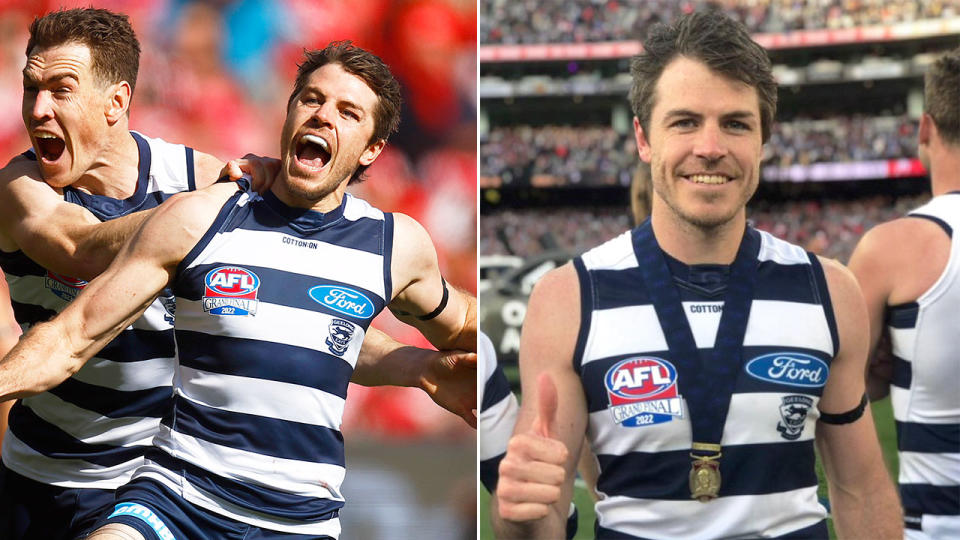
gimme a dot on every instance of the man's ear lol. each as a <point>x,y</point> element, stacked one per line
<point>643,145</point>
<point>371,152</point>
<point>925,131</point>
<point>118,101</point>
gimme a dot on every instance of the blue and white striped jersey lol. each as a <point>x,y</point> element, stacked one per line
<point>497,415</point>
<point>272,307</point>
<point>92,430</point>
<point>924,391</point>
<point>639,424</point>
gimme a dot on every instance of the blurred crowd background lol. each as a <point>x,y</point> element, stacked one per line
<point>216,75</point>
<point>577,21</point>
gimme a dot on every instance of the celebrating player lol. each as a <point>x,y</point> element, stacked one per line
<point>701,357</point>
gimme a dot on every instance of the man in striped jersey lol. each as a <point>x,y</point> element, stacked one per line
<point>703,359</point>
<point>909,270</point>
<point>66,207</point>
<point>275,294</point>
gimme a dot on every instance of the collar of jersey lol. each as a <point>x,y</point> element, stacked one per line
<point>304,220</point>
<point>107,207</point>
<point>707,280</point>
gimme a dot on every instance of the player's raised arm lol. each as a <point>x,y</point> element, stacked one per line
<point>447,316</point>
<point>862,496</point>
<point>53,351</point>
<point>536,475</point>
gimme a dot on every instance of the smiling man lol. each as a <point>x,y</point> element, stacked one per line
<point>275,294</point>
<point>702,359</point>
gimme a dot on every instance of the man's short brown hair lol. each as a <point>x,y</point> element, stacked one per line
<point>373,71</point>
<point>718,41</point>
<point>114,49</point>
<point>941,95</point>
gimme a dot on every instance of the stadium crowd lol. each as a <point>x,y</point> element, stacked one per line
<point>512,22</point>
<point>565,155</point>
<point>829,227</point>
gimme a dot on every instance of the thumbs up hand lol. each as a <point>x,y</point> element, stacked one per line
<point>533,471</point>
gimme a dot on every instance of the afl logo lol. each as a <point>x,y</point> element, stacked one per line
<point>343,300</point>
<point>640,378</point>
<point>230,290</point>
<point>65,287</point>
<point>232,281</point>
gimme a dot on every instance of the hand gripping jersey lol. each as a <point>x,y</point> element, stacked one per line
<point>92,430</point>
<point>272,307</point>
<point>925,391</point>
<point>639,426</point>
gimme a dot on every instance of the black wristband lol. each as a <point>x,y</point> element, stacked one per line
<point>846,417</point>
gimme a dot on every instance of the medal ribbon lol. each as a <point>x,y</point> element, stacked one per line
<point>705,381</point>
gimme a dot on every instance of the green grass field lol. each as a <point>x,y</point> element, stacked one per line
<point>882,414</point>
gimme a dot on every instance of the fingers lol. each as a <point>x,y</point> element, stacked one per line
<point>263,171</point>
<point>532,475</point>
<point>232,170</point>
<point>546,420</point>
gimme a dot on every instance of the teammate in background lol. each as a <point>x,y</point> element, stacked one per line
<point>909,270</point>
<point>701,357</point>
<point>294,276</point>
<point>65,208</point>
<point>9,333</point>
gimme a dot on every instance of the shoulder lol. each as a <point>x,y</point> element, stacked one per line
<point>410,237</point>
<point>774,249</point>
<point>556,298</point>
<point>207,168</point>
<point>614,254</point>
<point>23,173</point>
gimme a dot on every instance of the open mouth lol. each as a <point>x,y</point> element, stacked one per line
<point>50,147</point>
<point>313,151</point>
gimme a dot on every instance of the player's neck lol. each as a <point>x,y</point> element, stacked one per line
<point>290,197</point>
<point>115,169</point>
<point>943,172</point>
<point>691,244</point>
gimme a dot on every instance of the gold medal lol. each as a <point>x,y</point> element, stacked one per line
<point>705,473</point>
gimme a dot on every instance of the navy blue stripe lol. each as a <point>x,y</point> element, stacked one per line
<point>259,434</point>
<point>902,373</point>
<point>943,224</point>
<point>265,360</point>
<point>16,263</point>
<point>260,499</point>
<point>30,313</point>
<point>191,173</point>
<point>603,533</point>
<point>30,154</point>
<point>823,298</point>
<point>586,312</point>
<point>225,213</point>
<point>303,221</point>
<point>137,344</point>
<point>364,234</point>
<point>929,438</point>
<point>490,472</point>
<point>664,475</point>
<point>593,375</point>
<point>926,499</point>
<point>902,315</point>
<point>40,435</point>
<point>281,287</point>
<point>106,208</point>
<point>495,389</point>
<point>112,403</point>
<point>387,250</point>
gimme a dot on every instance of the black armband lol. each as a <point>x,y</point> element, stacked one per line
<point>846,417</point>
<point>434,313</point>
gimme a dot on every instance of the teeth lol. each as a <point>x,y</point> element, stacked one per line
<point>316,140</point>
<point>707,179</point>
<point>46,136</point>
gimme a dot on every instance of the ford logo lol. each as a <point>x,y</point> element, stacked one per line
<point>343,300</point>
<point>790,368</point>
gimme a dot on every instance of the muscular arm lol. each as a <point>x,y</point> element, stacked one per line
<point>895,263</point>
<point>536,475</point>
<point>9,333</point>
<point>65,237</point>
<point>419,290</point>
<point>53,351</point>
<point>864,502</point>
<point>448,377</point>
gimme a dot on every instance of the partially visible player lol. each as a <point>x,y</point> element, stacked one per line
<point>909,270</point>
<point>274,296</point>
<point>9,333</point>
